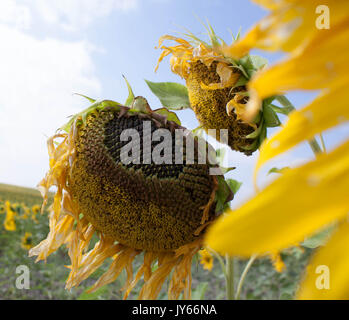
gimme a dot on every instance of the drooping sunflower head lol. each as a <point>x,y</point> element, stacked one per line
<point>149,203</point>
<point>217,88</point>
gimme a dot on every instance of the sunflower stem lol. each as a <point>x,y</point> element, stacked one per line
<point>229,264</point>
<point>243,276</point>
<point>289,107</point>
<point>220,260</point>
<point>323,143</point>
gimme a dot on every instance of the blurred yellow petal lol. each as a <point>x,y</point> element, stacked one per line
<point>316,117</point>
<point>290,24</point>
<point>294,206</point>
<point>327,274</point>
<point>321,64</point>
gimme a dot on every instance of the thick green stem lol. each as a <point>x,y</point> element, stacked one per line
<point>229,264</point>
<point>289,107</point>
<point>243,276</point>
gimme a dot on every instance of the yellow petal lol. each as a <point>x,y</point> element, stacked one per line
<point>327,274</point>
<point>233,106</point>
<point>289,25</point>
<point>316,117</point>
<point>321,64</point>
<point>294,206</point>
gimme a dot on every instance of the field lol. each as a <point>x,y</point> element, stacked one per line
<point>47,280</point>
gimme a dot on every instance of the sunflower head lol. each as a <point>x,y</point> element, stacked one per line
<point>160,210</point>
<point>2,208</point>
<point>36,209</point>
<point>206,259</point>
<point>217,88</point>
<point>10,223</point>
<point>27,241</point>
<point>130,202</point>
<point>26,212</point>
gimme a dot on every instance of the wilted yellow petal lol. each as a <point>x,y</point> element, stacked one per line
<point>227,76</point>
<point>327,274</point>
<point>316,117</point>
<point>294,206</point>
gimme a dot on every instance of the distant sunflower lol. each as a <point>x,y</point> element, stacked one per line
<point>314,196</point>
<point>35,210</point>
<point>9,223</point>
<point>160,211</point>
<point>217,88</point>
<point>206,259</point>
<point>27,241</point>
<point>26,213</point>
<point>2,208</point>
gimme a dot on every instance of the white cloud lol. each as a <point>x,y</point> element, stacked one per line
<point>73,15</point>
<point>37,81</point>
<point>38,77</point>
<point>14,14</point>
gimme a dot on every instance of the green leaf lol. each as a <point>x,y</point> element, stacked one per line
<point>220,154</point>
<point>287,105</point>
<point>140,104</point>
<point>225,170</point>
<point>262,136</point>
<point>241,82</point>
<point>171,116</point>
<point>256,133</point>
<point>199,292</point>
<point>93,295</point>
<point>246,63</point>
<point>269,100</point>
<point>199,131</point>
<point>131,95</point>
<point>86,97</point>
<point>318,239</point>
<point>278,170</point>
<point>173,96</point>
<point>258,62</point>
<point>234,185</point>
<point>98,105</point>
<point>223,194</point>
<point>270,117</point>
<point>282,110</point>
<point>252,63</point>
<point>251,147</point>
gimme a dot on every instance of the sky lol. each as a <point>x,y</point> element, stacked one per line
<point>51,49</point>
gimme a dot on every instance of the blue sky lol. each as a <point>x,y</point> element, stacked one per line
<point>56,47</point>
